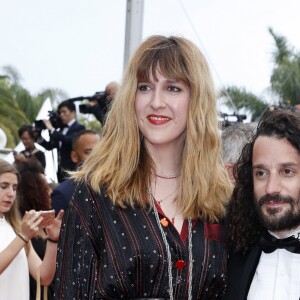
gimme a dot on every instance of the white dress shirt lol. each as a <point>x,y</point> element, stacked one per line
<point>277,276</point>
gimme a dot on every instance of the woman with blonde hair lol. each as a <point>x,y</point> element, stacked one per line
<point>146,218</point>
<point>17,256</point>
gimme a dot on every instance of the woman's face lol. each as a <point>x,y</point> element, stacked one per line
<point>27,140</point>
<point>8,190</point>
<point>162,108</point>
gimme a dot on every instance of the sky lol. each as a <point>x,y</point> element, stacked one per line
<point>78,45</point>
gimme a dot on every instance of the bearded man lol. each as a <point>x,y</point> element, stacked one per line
<point>264,213</point>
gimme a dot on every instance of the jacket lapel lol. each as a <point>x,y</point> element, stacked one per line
<point>249,271</point>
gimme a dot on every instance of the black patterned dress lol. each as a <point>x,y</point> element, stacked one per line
<point>107,252</point>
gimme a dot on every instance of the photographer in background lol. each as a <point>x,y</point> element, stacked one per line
<point>27,136</point>
<point>100,102</point>
<point>61,138</point>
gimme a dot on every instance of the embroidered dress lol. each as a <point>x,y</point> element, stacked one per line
<point>106,252</point>
<point>14,280</point>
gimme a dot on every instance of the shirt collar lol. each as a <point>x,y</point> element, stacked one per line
<point>295,232</point>
<point>71,122</point>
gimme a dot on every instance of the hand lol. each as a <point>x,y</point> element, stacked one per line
<point>30,224</point>
<point>53,230</point>
<point>48,124</point>
<point>19,157</point>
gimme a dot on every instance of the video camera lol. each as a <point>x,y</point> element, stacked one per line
<point>99,109</point>
<point>227,119</point>
<point>54,118</point>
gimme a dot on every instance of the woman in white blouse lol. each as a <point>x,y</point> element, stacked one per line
<point>17,256</point>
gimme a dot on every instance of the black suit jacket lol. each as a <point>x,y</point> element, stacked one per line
<point>64,151</point>
<point>62,195</point>
<point>241,270</point>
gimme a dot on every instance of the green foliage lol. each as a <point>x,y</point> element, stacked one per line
<point>285,79</point>
<point>239,98</point>
<point>90,124</point>
<point>11,116</point>
<point>18,106</point>
<point>285,82</point>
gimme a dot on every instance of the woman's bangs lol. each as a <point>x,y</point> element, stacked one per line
<point>167,61</point>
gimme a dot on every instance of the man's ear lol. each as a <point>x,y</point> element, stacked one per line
<point>229,168</point>
<point>74,157</point>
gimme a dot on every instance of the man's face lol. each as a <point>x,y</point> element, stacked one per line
<point>276,179</point>
<point>84,147</point>
<point>66,115</point>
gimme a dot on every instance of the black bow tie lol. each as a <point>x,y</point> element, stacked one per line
<point>64,126</point>
<point>270,243</point>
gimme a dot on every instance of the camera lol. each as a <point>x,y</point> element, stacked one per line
<point>54,118</point>
<point>100,97</point>
<point>100,109</point>
<point>228,120</point>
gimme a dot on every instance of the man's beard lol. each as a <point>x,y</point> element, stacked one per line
<point>274,219</point>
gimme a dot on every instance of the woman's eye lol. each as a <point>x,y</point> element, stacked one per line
<point>143,88</point>
<point>174,89</point>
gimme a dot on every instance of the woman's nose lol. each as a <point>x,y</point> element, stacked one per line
<point>158,99</point>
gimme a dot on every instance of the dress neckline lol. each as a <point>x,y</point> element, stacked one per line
<point>2,220</point>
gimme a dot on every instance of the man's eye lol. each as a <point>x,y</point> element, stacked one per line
<point>288,172</point>
<point>259,173</point>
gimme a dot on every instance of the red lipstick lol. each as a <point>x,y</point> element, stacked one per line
<point>158,119</point>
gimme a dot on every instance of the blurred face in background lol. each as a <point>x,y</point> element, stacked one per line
<point>66,115</point>
<point>27,140</point>
<point>8,191</point>
<point>83,147</point>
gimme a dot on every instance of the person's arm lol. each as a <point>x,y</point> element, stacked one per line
<point>29,227</point>
<point>40,156</point>
<point>48,265</point>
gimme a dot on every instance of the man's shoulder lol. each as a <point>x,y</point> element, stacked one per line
<point>77,126</point>
<point>64,188</point>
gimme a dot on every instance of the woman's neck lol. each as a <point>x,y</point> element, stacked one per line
<point>167,159</point>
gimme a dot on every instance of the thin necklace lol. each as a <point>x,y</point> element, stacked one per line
<point>161,200</point>
<point>190,246</point>
<point>165,177</point>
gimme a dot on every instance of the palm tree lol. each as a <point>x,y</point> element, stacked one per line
<point>11,117</point>
<point>238,98</point>
<point>18,106</point>
<point>285,78</point>
<point>285,83</point>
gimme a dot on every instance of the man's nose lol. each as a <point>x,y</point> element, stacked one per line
<point>273,184</point>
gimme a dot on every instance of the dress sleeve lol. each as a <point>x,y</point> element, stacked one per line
<point>77,263</point>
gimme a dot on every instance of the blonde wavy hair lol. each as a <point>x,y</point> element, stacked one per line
<point>120,162</point>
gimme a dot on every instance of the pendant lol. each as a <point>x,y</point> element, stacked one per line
<point>180,264</point>
<point>164,222</point>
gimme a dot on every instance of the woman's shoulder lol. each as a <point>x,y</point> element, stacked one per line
<point>84,193</point>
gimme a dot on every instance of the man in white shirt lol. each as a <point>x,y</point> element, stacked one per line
<point>264,213</point>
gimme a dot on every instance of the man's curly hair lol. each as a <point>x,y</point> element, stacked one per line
<point>244,225</point>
